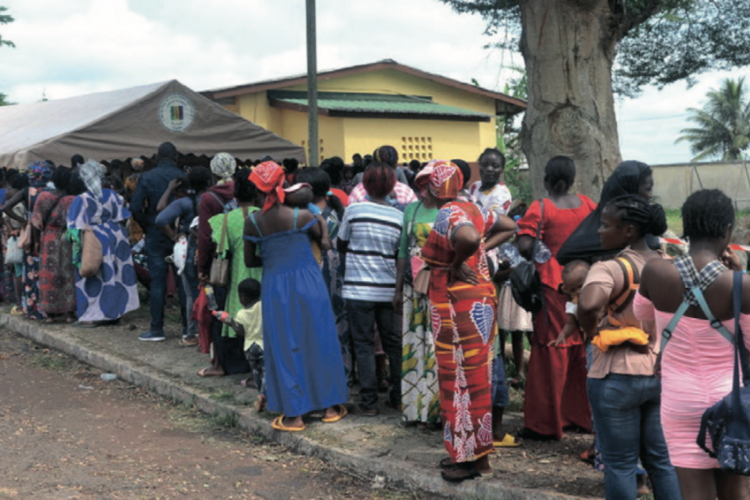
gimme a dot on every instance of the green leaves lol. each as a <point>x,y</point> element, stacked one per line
<point>723,125</point>
<point>5,19</point>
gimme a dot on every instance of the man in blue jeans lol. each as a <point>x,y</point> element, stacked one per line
<point>150,189</point>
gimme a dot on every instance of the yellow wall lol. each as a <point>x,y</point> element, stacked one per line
<point>435,139</point>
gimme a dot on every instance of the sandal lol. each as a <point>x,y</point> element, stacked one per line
<point>339,415</point>
<point>188,341</point>
<point>16,311</point>
<point>460,472</point>
<point>507,442</point>
<point>278,424</point>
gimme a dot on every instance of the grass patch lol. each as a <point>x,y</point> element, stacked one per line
<point>51,360</point>
<point>223,396</point>
<point>227,420</point>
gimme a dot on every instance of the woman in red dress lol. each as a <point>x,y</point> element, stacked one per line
<point>555,395</point>
<point>463,304</point>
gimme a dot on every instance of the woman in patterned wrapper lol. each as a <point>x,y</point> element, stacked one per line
<point>463,304</point>
<point>106,296</point>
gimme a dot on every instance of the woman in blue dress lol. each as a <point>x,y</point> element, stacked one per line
<point>304,368</point>
<point>106,296</point>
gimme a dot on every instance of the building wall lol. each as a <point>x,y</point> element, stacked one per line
<point>672,183</point>
<point>423,140</point>
<point>415,139</point>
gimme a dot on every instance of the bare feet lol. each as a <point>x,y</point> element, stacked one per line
<point>211,371</point>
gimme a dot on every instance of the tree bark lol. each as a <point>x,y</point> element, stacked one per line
<point>569,48</point>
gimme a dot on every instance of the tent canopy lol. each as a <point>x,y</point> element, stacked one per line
<point>131,122</point>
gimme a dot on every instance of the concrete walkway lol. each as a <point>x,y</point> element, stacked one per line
<point>380,448</point>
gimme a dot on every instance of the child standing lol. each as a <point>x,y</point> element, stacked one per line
<point>248,324</point>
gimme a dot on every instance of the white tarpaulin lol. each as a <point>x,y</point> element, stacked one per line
<point>131,122</point>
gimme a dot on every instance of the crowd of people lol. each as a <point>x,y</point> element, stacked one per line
<point>393,279</point>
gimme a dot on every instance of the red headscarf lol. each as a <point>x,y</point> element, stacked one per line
<point>269,178</point>
<point>446,179</point>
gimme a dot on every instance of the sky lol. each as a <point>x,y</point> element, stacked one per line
<point>77,47</point>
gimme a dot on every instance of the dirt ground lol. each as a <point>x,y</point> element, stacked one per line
<point>67,434</point>
<point>537,466</point>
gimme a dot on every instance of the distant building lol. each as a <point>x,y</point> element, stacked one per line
<point>423,115</point>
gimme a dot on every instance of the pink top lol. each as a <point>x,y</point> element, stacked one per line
<point>404,194</point>
<point>696,372</point>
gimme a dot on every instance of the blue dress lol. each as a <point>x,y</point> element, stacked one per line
<point>304,369</point>
<point>112,291</point>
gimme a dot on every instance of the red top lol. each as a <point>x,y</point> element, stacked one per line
<point>341,195</point>
<point>558,225</point>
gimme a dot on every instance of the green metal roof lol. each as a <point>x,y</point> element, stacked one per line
<point>375,105</point>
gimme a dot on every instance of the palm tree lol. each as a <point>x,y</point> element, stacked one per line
<point>723,125</point>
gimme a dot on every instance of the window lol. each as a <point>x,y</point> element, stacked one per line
<point>416,148</point>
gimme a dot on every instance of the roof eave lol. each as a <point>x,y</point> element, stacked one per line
<point>512,105</point>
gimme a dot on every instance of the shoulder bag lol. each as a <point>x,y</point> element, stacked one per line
<point>525,282</point>
<point>727,423</point>
<point>91,254</point>
<point>222,264</point>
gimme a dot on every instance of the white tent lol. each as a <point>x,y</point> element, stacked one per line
<point>131,122</point>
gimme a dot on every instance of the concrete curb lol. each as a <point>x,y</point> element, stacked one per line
<point>394,471</point>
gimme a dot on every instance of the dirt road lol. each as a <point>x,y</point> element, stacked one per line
<point>67,434</point>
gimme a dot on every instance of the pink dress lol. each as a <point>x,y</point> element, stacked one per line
<point>696,372</point>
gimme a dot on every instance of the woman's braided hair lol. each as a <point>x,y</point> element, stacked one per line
<point>647,218</point>
<point>706,214</point>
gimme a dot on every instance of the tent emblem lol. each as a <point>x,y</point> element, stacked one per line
<point>176,112</point>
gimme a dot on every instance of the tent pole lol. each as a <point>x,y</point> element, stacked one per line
<point>312,87</point>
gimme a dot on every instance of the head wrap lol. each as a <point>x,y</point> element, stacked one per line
<point>446,179</point>
<point>423,176</point>
<point>223,166</point>
<point>386,154</point>
<point>40,172</point>
<point>91,174</point>
<point>268,177</point>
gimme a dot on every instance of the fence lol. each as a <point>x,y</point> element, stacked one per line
<point>674,183</point>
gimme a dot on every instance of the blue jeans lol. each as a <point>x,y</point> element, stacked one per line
<point>189,279</point>
<point>626,412</point>
<point>499,385</point>
<point>156,252</point>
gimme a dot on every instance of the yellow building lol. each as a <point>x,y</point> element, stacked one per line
<point>423,115</point>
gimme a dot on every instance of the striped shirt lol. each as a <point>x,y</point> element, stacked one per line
<point>374,233</point>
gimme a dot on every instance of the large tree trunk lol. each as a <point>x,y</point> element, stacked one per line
<point>569,48</point>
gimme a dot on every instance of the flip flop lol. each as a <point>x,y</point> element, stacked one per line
<point>278,424</point>
<point>507,442</point>
<point>341,414</point>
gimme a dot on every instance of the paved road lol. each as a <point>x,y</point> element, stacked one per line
<point>67,434</point>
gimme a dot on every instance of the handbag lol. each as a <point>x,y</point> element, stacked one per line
<point>221,265</point>
<point>525,282</point>
<point>24,238</point>
<point>727,422</point>
<point>91,254</point>
<point>409,270</point>
<point>422,280</point>
<point>13,252</point>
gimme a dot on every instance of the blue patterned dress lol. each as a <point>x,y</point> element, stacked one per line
<point>112,292</point>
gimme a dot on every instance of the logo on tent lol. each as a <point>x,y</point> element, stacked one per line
<point>176,112</point>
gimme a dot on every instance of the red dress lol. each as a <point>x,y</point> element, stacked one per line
<point>57,281</point>
<point>555,394</point>
<point>464,326</point>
